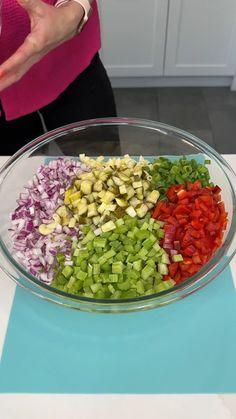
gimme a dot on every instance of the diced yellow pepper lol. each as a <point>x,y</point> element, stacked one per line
<point>108,197</point>
<point>67,196</point>
<point>74,196</point>
<point>86,187</point>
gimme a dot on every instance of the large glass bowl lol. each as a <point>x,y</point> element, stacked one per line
<point>113,137</point>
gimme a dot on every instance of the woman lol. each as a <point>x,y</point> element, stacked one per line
<point>49,69</point>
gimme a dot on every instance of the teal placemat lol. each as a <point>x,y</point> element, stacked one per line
<point>187,347</point>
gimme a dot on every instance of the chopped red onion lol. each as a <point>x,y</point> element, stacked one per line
<point>43,194</point>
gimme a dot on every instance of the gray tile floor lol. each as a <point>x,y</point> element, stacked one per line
<point>209,112</point>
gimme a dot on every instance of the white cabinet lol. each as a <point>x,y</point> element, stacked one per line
<point>133,36</point>
<point>168,37</point>
<point>201,38</point>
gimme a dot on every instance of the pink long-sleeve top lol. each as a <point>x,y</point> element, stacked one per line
<point>47,79</point>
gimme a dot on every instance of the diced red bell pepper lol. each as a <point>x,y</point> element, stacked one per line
<point>189,250</point>
<point>182,194</point>
<point>166,277</point>
<point>195,221</point>
<point>197,224</point>
<point>173,268</point>
<point>196,259</point>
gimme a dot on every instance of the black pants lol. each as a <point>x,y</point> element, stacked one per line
<point>89,96</point>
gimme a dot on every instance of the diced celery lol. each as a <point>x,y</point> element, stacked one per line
<point>85,229</point>
<point>147,271</point>
<point>107,234</point>
<point>77,285</point>
<point>160,233</point>
<point>88,282</point>
<point>157,276</point>
<point>90,269</point>
<point>137,247</point>
<point>111,289</point>
<point>152,253</point>
<point>177,258</point>
<point>142,234</point>
<point>81,275</point>
<point>131,234</point>
<point>151,262</point>
<point>77,260</point>
<point>76,270</point>
<point>95,287</point>
<point>61,280</point>
<point>124,257</point>
<point>117,267</point>
<point>149,291</point>
<point>160,287</point>
<point>113,237</point>
<point>120,256</point>
<point>156,246</point>
<point>144,226</point>
<point>137,265</point>
<point>121,229</point>
<point>148,243</point>
<point>89,237</point>
<point>94,258</point>
<point>170,283</point>
<point>76,252</point>
<point>162,269</point>
<point>106,256</point>
<point>129,248</point>
<point>97,278</point>
<point>106,267</point>
<point>116,295</point>
<point>119,222</point>
<point>124,286</point>
<point>88,295</point>
<point>100,242</point>
<point>109,226</point>
<point>67,272</point>
<point>84,265</point>
<point>104,277</point>
<point>165,258</point>
<point>129,294</point>
<point>71,282</point>
<point>74,245</point>
<point>140,288</point>
<point>127,240</point>
<point>96,269</point>
<point>113,278</point>
<point>60,257</point>
<point>83,254</point>
<point>115,244</point>
<point>100,294</point>
<point>143,253</point>
<point>90,246</point>
<point>133,275</point>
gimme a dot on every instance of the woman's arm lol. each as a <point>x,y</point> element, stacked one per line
<point>50,27</point>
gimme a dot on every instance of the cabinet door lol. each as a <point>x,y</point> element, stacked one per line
<point>133,36</point>
<point>201,38</point>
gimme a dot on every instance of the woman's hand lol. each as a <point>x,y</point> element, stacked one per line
<point>50,27</point>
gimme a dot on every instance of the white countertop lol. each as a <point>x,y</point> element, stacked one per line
<point>78,406</point>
